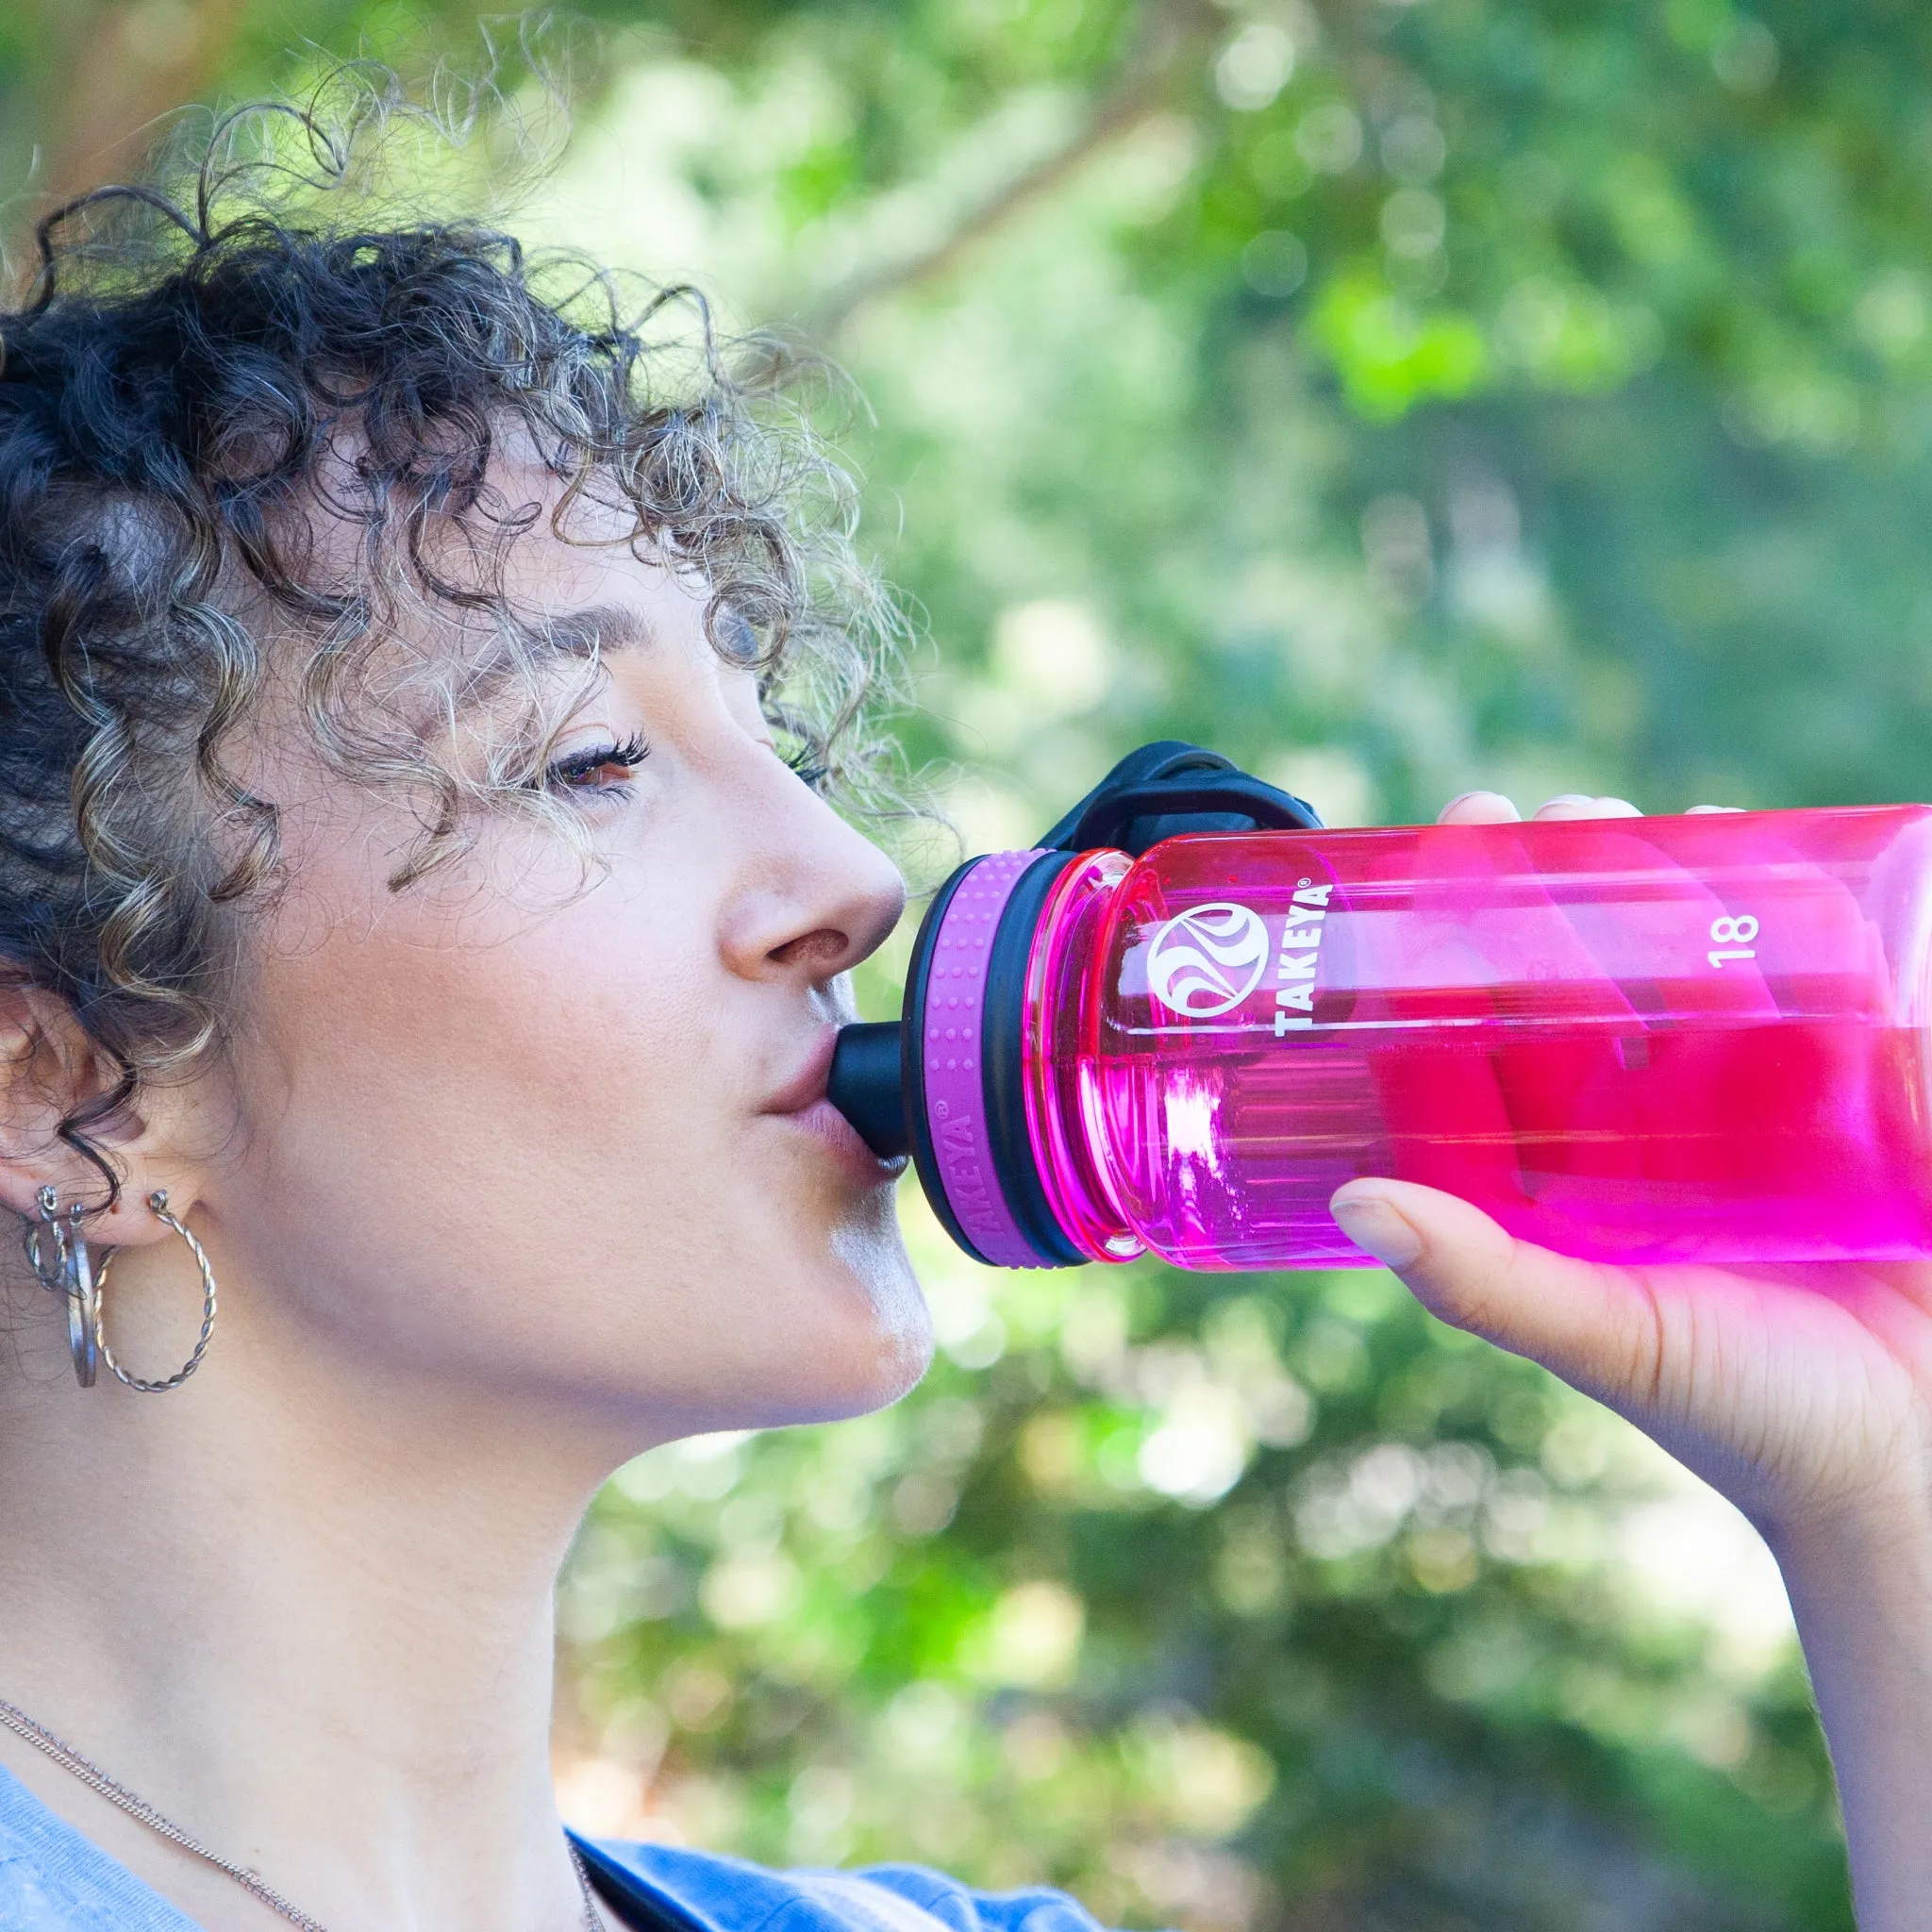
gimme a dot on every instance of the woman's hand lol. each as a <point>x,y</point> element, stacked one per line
<point>1803,1392</point>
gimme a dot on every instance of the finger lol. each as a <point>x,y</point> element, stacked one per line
<point>1478,809</point>
<point>1593,1325</point>
<point>1578,805</point>
<point>1695,810</point>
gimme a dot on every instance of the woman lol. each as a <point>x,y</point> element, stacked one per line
<point>425,937</point>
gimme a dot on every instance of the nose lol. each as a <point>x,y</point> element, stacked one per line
<point>815,896</point>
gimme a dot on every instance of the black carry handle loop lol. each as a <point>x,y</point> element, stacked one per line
<point>1152,794</point>
<point>1168,787</point>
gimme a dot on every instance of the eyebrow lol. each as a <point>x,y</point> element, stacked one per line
<point>594,630</point>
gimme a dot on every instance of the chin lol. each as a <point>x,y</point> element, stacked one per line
<point>874,1366</point>
<point>842,1332</point>
<point>901,1362</point>
<point>875,1347</point>
<point>831,1374</point>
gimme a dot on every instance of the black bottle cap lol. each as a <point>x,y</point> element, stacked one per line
<point>864,1085</point>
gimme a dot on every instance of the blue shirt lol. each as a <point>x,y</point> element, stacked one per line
<point>52,1879</point>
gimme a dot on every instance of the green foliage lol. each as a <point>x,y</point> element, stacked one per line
<point>1398,397</point>
<point>1221,1603</point>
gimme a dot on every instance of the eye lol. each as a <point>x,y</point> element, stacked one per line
<point>597,768</point>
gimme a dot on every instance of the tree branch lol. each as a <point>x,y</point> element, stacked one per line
<point>1169,33</point>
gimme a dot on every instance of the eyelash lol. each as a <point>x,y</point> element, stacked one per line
<point>808,769</point>
<point>564,773</point>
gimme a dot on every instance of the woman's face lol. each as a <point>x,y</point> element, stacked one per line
<point>572,1144</point>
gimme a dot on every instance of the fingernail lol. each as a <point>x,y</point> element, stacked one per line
<point>1372,1225</point>
<point>1570,798</point>
<point>1462,798</point>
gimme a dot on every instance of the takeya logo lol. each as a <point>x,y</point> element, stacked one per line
<point>968,1184</point>
<point>1210,958</point>
<point>1294,967</point>
<point>1208,961</point>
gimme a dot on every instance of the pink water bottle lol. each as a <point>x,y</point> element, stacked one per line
<point>1700,1037</point>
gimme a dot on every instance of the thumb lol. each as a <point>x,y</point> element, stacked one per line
<point>1592,1324</point>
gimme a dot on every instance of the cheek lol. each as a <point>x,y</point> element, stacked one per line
<point>539,1157</point>
<point>515,1074</point>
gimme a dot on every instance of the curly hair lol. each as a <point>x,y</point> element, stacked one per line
<point>194,380</point>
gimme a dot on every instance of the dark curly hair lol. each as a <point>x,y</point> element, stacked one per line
<point>193,381</point>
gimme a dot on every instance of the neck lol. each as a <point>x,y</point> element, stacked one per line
<point>306,1614</point>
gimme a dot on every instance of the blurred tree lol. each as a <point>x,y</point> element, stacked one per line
<point>1397,395</point>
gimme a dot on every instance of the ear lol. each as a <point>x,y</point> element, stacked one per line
<point>52,1072</point>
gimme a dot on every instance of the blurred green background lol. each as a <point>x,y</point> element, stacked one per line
<point>1397,395</point>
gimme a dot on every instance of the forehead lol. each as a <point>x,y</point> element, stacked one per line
<point>355,519</point>
<point>566,567</point>
<point>592,603</point>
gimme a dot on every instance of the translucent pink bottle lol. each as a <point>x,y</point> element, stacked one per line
<point>1694,1038</point>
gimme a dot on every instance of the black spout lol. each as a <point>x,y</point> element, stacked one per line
<point>864,1085</point>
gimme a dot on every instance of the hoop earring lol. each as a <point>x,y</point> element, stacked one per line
<point>68,1271</point>
<point>47,1268</point>
<point>158,1205</point>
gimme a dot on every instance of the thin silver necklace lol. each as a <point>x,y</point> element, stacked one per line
<point>91,1775</point>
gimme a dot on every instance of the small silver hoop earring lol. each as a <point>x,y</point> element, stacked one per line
<point>83,1305</point>
<point>48,1267</point>
<point>62,1266</point>
<point>158,1204</point>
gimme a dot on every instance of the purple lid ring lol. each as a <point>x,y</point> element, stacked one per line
<point>952,1057</point>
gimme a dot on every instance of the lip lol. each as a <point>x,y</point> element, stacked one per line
<point>801,1103</point>
<point>808,1083</point>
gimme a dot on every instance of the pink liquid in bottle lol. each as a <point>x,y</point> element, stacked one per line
<point>1668,1038</point>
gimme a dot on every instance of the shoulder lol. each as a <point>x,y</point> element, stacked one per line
<point>703,1891</point>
